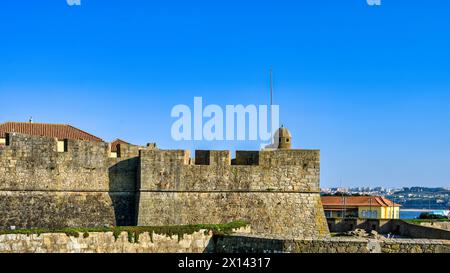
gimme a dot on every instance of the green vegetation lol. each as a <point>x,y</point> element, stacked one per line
<point>426,215</point>
<point>427,218</point>
<point>418,221</point>
<point>134,231</point>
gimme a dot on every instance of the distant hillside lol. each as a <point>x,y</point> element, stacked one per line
<point>422,198</point>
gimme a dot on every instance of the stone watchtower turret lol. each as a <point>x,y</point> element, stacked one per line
<point>283,137</point>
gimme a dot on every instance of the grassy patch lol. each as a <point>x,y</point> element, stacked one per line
<point>134,231</point>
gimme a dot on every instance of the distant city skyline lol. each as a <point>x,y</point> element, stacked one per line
<point>367,85</point>
<point>378,188</point>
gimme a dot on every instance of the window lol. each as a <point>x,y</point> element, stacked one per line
<point>7,139</point>
<point>62,146</point>
<point>287,139</point>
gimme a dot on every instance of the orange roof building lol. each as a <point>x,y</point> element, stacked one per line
<point>59,131</point>
<point>377,207</point>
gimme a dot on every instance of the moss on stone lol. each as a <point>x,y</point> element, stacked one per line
<point>133,232</point>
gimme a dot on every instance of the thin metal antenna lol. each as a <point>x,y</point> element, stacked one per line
<point>271,86</point>
<point>271,103</point>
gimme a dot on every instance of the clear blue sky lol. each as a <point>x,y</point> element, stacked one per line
<point>369,86</point>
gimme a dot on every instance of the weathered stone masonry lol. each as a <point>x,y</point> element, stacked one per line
<point>204,241</point>
<point>278,194</point>
<point>276,191</point>
<point>83,187</point>
<point>259,244</point>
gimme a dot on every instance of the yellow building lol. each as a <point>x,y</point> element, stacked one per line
<point>366,207</point>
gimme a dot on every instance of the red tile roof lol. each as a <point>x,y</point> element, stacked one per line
<point>357,201</point>
<point>60,131</point>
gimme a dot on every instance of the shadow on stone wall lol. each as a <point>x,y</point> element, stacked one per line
<point>244,244</point>
<point>212,245</point>
<point>349,224</point>
<point>411,230</point>
<point>123,191</point>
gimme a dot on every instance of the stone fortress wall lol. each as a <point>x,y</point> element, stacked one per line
<point>277,192</point>
<point>81,187</point>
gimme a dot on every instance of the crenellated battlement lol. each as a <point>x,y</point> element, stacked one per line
<point>276,191</point>
<point>269,158</point>
<point>278,170</point>
<point>21,145</point>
